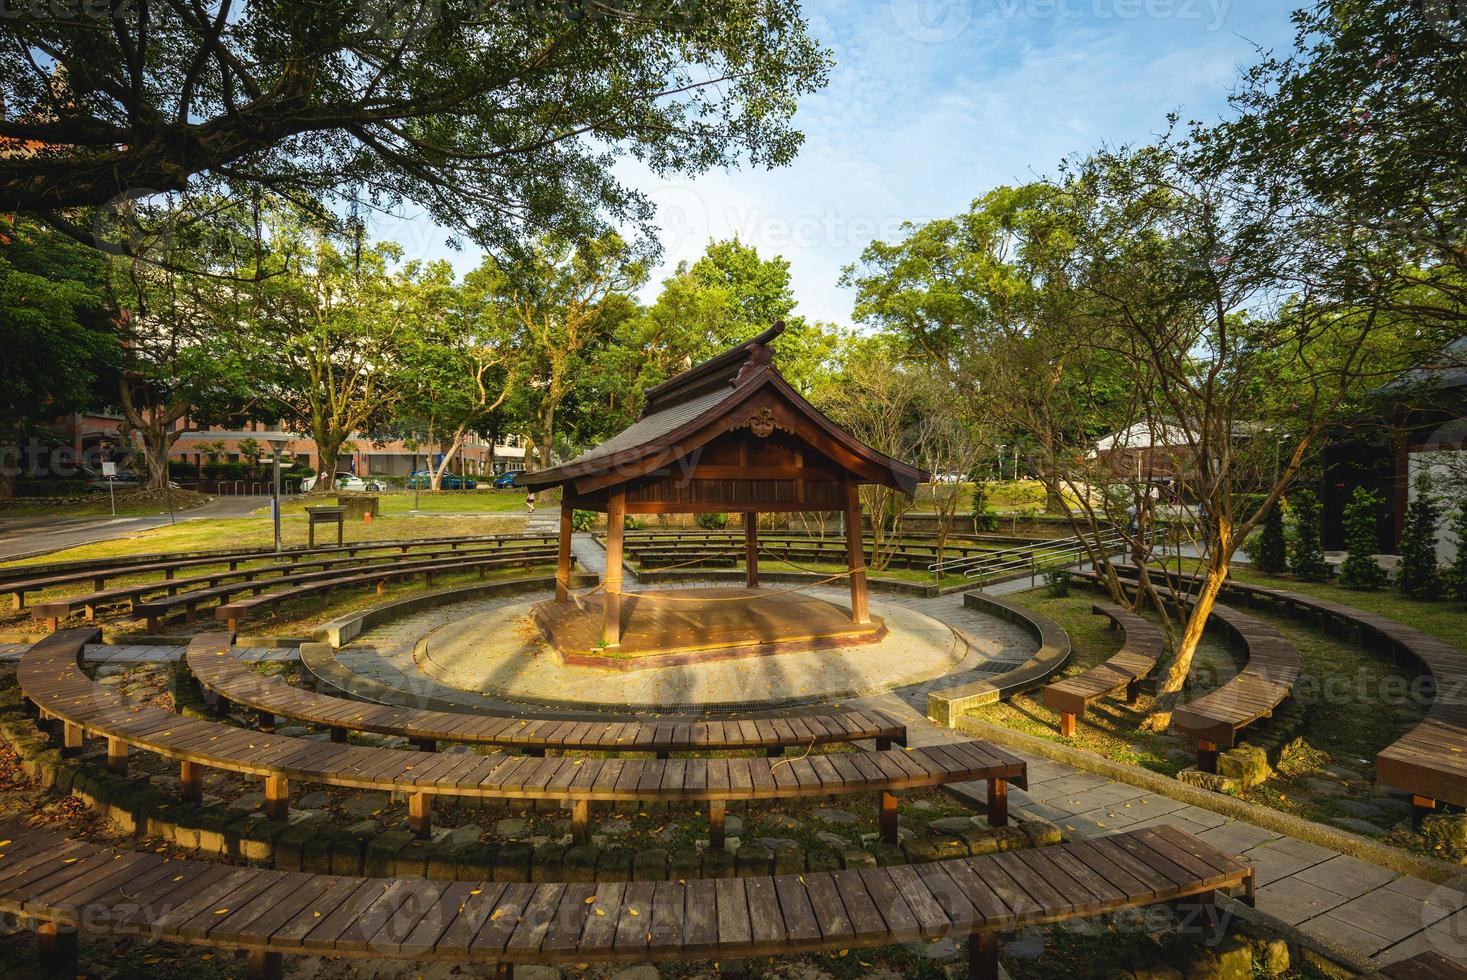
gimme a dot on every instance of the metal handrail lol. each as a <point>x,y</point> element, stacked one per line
<point>1075,551</point>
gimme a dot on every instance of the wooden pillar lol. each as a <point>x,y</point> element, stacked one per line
<point>717,812</point>
<point>856,555</point>
<point>1067,724</point>
<point>277,798</point>
<point>266,965</point>
<point>1421,808</point>
<point>57,946</point>
<point>562,561</point>
<point>117,755</point>
<point>998,803</point>
<point>1206,755</point>
<point>191,781</point>
<point>751,550</point>
<point>420,814</point>
<point>616,510</point>
<point>581,820</point>
<point>983,956</point>
<point>71,738</point>
<point>888,820</point>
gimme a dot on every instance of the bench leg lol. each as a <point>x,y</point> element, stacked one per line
<point>191,780</point>
<point>733,969</point>
<point>420,814</point>
<point>117,756</point>
<point>338,735</point>
<point>53,623</point>
<point>277,798</point>
<point>663,755</point>
<point>883,744</point>
<point>71,738</point>
<point>232,624</point>
<point>535,753</point>
<point>1206,755</point>
<point>581,820</point>
<point>998,803</point>
<point>1421,807</point>
<point>774,751</point>
<point>888,817</point>
<point>1133,693</point>
<point>265,721</point>
<point>57,946</point>
<point>265,965</point>
<point>1067,724</point>
<point>503,971</point>
<point>983,956</point>
<point>425,744</point>
<point>717,810</point>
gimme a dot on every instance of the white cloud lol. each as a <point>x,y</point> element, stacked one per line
<point>933,102</point>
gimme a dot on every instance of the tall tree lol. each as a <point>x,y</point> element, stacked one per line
<point>456,367</point>
<point>56,329</point>
<point>563,301</point>
<point>332,315</point>
<point>493,118</point>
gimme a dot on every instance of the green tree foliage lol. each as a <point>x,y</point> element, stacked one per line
<point>1419,577</point>
<point>492,117</point>
<point>1356,134</point>
<point>1361,569</point>
<point>564,302</point>
<point>1306,554</point>
<point>1272,556</point>
<point>55,330</point>
<point>1458,572</point>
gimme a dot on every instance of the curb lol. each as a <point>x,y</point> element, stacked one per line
<point>1392,858</point>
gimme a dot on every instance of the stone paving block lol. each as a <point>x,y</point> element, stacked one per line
<point>1312,853</point>
<point>1347,935</point>
<point>1295,901</point>
<point>1449,935</point>
<point>1388,914</point>
<point>1441,896</point>
<point>1270,865</point>
<point>1235,836</point>
<point>1348,876</point>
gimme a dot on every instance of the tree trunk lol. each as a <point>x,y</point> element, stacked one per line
<point>1170,689</point>
<point>328,448</point>
<point>437,471</point>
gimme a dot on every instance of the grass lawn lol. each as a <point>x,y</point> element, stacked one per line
<point>250,532</point>
<point>1444,618</point>
<point>427,502</point>
<point>92,505</point>
<point>1330,778</point>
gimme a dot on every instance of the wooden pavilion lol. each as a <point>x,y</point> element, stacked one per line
<point>729,435</point>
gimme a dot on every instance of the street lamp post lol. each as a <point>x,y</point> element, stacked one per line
<point>276,447</point>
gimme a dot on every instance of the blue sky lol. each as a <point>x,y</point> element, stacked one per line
<point>933,102</point>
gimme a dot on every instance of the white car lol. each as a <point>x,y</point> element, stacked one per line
<point>344,481</point>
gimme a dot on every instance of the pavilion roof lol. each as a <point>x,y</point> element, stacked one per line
<point>688,410</point>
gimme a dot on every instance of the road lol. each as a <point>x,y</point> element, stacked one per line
<point>24,536</point>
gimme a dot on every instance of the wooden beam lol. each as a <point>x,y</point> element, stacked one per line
<point>562,562</point>
<point>616,509</point>
<point>856,555</point>
<point>751,550</point>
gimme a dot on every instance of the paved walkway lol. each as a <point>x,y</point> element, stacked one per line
<point>22,537</point>
<point>1348,903</point>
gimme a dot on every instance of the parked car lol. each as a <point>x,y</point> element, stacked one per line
<point>506,480</point>
<point>423,480</point>
<point>345,481</point>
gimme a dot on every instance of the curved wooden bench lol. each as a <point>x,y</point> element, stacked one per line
<point>1135,659</point>
<point>946,705</point>
<point>51,678</point>
<point>67,885</point>
<point>212,661</point>
<point>100,570</point>
<point>1265,680</point>
<point>373,572</point>
<point>54,610</point>
<point>1430,761</point>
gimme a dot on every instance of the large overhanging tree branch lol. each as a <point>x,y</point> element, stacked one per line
<point>496,118</point>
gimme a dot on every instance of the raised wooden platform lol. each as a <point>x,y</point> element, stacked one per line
<point>682,626</point>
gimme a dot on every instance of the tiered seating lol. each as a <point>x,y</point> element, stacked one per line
<point>1268,677</point>
<point>1133,661</point>
<point>1430,761</point>
<point>212,661</point>
<point>51,678</point>
<point>54,610</point>
<point>18,580</point>
<point>273,913</point>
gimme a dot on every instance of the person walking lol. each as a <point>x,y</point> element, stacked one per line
<point>530,501</point>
